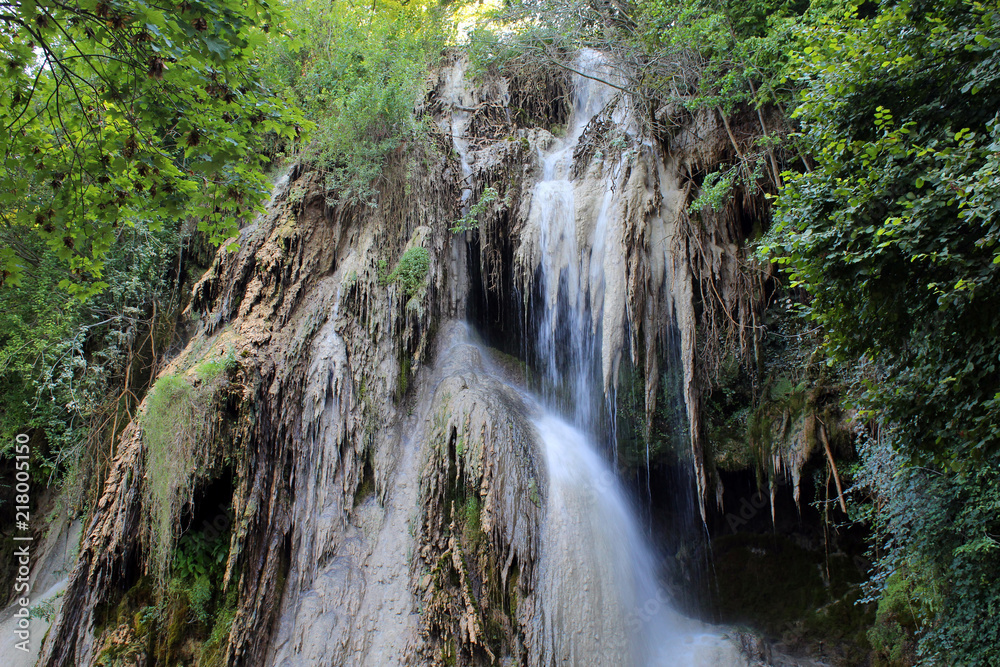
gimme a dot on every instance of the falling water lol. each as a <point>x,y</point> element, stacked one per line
<point>602,603</point>
<point>600,599</point>
<point>572,294</point>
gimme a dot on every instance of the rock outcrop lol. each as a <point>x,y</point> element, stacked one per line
<point>387,492</point>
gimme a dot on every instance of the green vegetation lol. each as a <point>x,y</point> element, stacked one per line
<point>470,221</point>
<point>896,623</point>
<point>730,52</point>
<point>411,270</point>
<point>116,113</point>
<point>176,428</point>
<point>358,70</point>
<point>71,370</point>
<point>188,623</point>
<point>472,532</point>
<point>198,565</point>
<point>893,234</point>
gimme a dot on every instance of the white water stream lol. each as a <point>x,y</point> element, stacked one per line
<point>600,598</point>
<point>601,601</point>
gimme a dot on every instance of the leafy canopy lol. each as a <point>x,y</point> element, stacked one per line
<point>719,48</point>
<point>894,234</point>
<point>358,73</point>
<point>116,110</point>
<point>68,366</point>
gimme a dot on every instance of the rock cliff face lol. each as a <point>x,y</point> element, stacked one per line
<point>322,351</point>
<point>372,451</point>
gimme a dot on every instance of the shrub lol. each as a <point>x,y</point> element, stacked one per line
<point>411,270</point>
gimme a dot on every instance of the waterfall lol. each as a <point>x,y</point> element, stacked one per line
<point>599,597</point>
<point>601,601</point>
<point>594,567</point>
<point>571,269</point>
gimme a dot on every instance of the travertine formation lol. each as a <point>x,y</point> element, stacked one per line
<point>389,490</point>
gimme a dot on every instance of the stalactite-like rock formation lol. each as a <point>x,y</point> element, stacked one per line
<point>323,349</point>
<point>481,487</point>
<point>387,490</point>
<point>659,273</point>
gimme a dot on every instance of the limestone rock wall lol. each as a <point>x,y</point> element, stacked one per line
<point>387,488</point>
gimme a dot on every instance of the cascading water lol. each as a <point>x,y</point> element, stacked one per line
<point>601,602</point>
<point>599,599</point>
<point>565,331</point>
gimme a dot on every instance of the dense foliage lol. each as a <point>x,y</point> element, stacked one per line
<point>894,236</point>
<point>121,120</point>
<point>358,72</point>
<point>69,368</point>
<point>123,123</point>
<point>115,112</point>
<point>728,53</point>
<point>895,231</point>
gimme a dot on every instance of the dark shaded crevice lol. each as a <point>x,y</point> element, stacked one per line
<point>494,307</point>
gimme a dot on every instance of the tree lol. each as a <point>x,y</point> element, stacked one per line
<point>894,234</point>
<point>114,111</point>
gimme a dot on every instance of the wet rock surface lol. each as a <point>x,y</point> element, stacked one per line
<point>390,493</point>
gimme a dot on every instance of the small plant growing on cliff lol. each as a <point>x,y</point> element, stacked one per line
<point>717,189</point>
<point>715,192</point>
<point>473,524</point>
<point>210,370</point>
<point>46,609</point>
<point>470,221</point>
<point>177,415</point>
<point>411,270</point>
<point>533,494</point>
